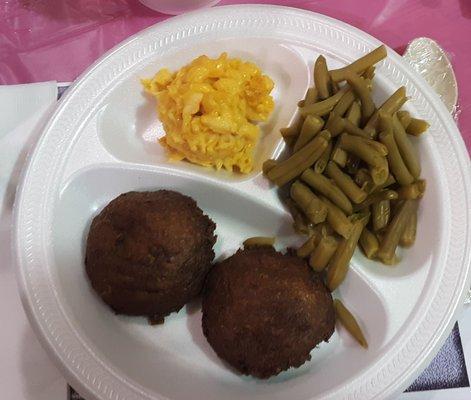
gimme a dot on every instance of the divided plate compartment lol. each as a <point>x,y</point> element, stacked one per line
<point>103,141</point>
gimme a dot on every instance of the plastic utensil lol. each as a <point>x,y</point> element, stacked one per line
<point>175,7</point>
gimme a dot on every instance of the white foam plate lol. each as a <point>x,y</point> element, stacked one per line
<point>101,142</point>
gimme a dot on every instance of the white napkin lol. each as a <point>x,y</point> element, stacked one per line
<point>25,369</point>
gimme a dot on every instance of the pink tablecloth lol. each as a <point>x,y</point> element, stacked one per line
<point>56,40</point>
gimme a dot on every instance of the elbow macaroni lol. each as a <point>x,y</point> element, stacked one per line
<point>208,109</point>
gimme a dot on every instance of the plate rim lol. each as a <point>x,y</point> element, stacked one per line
<point>452,132</point>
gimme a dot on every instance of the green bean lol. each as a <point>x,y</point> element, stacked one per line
<point>410,231</point>
<point>293,130</point>
<point>373,188</point>
<point>338,155</point>
<point>349,323</point>
<point>312,206</point>
<point>300,222</point>
<point>268,165</point>
<point>394,231</point>
<point>259,241</point>
<point>308,246</point>
<point>377,146</point>
<point>417,126</point>
<point>354,130</point>
<point>360,65</point>
<point>323,229</point>
<point>380,174</point>
<point>404,118</point>
<point>338,265</point>
<point>354,114</point>
<point>406,149</point>
<point>394,102</point>
<point>345,183</point>
<point>344,103</point>
<point>337,219</point>
<point>321,77</point>
<point>413,191</point>
<point>353,164</point>
<point>323,107</point>
<point>363,179</point>
<point>310,98</point>
<point>322,254</point>
<point>321,163</point>
<point>335,124</point>
<point>356,146</point>
<point>324,186</point>
<point>369,72</point>
<point>311,127</point>
<point>375,198</point>
<point>334,86</point>
<point>396,163</point>
<point>369,243</point>
<point>389,107</point>
<point>380,213</point>
<point>359,87</point>
<point>299,161</point>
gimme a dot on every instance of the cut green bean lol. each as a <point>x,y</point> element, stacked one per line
<point>311,127</point>
<point>333,86</point>
<point>325,187</point>
<point>380,174</point>
<point>370,189</point>
<point>363,179</point>
<point>413,191</point>
<point>360,65</point>
<point>389,107</point>
<point>406,149</point>
<point>294,129</point>
<point>308,246</point>
<point>395,161</point>
<point>380,213</point>
<point>268,165</point>
<point>404,118</point>
<point>338,265</point>
<point>289,169</point>
<point>323,252</point>
<point>417,126</point>
<point>410,231</point>
<point>321,77</point>
<point>359,148</point>
<point>359,87</point>
<point>354,114</point>
<point>335,125</point>
<point>344,103</point>
<point>312,206</point>
<point>377,146</point>
<point>349,323</point>
<point>345,183</point>
<point>394,102</point>
<point>337,219</point>
<point>323,107</point>
<point>321,163</point>
<point>369,243</point>
<point>394,231</point>
<point>338,155</point>
<point>310,98</point>
<point>353,164</point>
<point>369,72</point>
<point>323,229</point>
<point>354,130</point>
<point>259,241</point>
<point>375,198</point>
<point>300,222</point>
